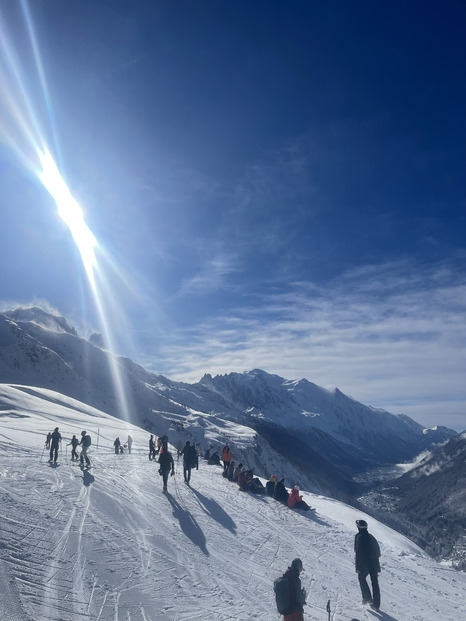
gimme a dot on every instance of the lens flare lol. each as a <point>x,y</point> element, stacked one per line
<point>21,131</point>
<point>70,211</point>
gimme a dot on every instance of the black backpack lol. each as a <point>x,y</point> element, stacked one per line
<point>282,590</point>
<point>87,441</point>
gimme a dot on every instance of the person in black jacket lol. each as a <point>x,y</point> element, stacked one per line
<point>55,441</point>
<point>298,594</point>
<point>189,460</point>
<point>167,465</point>
<point>367,553</point>
<point>74,443</point>
<point>281,493</point>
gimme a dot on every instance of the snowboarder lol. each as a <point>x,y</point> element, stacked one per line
<point>296,501</point>
<point>85,444</point>
<point>117,445</point>
<point>367,553</point>
<point>130,444</point>
<point>151,448</point>
<point>291,600</point>
<point>189,460</point>
<point>55,439</point>
<point>226,456</point>
<point>166,465</point>
<point>74,443</point>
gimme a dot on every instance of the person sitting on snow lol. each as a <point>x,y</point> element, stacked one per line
<point>296,501</point>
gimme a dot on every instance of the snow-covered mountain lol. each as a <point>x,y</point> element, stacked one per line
<point>431,497</point>
<point>319,437</point>
<point>106,544</point>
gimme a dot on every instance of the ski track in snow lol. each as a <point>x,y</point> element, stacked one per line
<point>106,544</point>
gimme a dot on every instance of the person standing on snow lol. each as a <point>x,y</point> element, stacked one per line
<point>189,460</point>
<point>130,444</point>
<point>55,439</point>
<point>74,443</point>
<point>85,444</point>
<point>298,594</point>
<point>117,445</point>
<point>367,553</point>
<point>151,447</point>
<point>166,465</point>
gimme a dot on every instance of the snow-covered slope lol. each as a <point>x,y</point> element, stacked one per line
<point>107,544</point>
<point>320,437</point>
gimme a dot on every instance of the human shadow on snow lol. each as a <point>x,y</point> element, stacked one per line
<point>188,524</point>
<point>88,478</point>
<point>382,616</point>
<point>215,511</point>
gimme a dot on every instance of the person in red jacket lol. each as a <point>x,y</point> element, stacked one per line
<point>295,500</point>
<point>226,456</point>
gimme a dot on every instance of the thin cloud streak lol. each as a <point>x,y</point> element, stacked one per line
<point>390,343</point>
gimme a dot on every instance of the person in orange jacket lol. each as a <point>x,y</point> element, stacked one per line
<point>226,456</point>
<point>295,500</point>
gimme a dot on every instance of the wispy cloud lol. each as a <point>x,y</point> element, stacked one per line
<point>389,335</point>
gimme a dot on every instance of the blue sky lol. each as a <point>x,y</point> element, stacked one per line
<point>275,185</point>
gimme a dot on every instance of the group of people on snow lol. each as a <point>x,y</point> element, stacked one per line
<point>119,446</point>
<point>54,440</point>
<point>290,599</point>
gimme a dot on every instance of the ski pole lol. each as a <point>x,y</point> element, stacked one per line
<point>328,609</point>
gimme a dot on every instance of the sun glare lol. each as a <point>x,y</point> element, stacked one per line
<point>70,211</point>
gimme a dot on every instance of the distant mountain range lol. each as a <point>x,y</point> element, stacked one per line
<point>428,503</point>
<point>322,437</point>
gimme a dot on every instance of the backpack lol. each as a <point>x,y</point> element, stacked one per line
<point>87,441</point>
<point>282,590</point>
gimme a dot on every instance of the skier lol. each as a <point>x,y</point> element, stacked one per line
<point>166,465</point>
<point>297,594</point>
<point>189,460</point>
<point>47,440</point>
<point>295,500</point>
<point>117,445</point>
<point>367,552</point>
<point>151,448</point>
<point>207,453</point>
<point>55,439</point>
<point>130,444</point>
<point>85,444</point>
<point>74,443</point>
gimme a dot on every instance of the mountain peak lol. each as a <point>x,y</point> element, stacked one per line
<point>42,318</point>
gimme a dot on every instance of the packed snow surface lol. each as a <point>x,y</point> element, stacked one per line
<point>106,544</point>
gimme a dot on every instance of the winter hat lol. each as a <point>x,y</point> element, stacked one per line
<point>297,563</point>
<point>56,428</point>
<point>296,487</point>
<point>83,433</point>
<point>273,478</point>
<point>361,523</point>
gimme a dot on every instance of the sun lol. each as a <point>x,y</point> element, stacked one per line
<point>70,211</point>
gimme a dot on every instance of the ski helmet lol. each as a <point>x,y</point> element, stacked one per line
<point>297,563</point>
